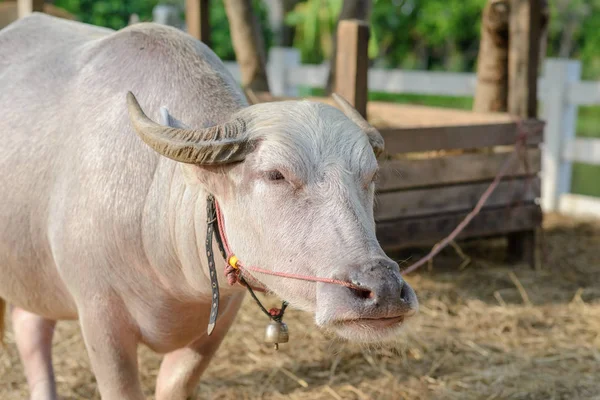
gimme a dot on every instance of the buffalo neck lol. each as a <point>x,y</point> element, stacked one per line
<point>174,230</point>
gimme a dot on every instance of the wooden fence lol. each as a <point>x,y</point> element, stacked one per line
<point>561,91</point>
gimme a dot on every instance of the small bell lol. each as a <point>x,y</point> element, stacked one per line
<point>276,332</point>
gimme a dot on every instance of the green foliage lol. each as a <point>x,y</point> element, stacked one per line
<point>443,34</point>
<point>108,13</point>
<point>314,21</point>
<point>115,14</point>
<point>410,33</point>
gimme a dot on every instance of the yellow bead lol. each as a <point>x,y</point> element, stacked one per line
<point>233,260</point>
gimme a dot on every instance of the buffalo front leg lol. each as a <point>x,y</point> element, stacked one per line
<point>33,335</point>
<point>111,342</point>
<point>181,369</point>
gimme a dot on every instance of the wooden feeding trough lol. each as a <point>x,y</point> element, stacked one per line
<point>440,161</point>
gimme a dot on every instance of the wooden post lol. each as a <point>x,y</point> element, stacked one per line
<point>527,20</point>
<point>491,93</point>
<point>352,63</point>
<point>351,9</point>
<point>26,7</point>
<point>197,19</point>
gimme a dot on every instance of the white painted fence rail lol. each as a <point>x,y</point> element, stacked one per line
<point>563,93</point>
<point>560,93</point>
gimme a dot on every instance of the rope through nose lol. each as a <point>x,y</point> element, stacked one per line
<point>234,265</point>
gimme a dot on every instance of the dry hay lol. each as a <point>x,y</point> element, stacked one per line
<point>477,337</point>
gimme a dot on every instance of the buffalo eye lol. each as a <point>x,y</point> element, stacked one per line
<point>275,176</point>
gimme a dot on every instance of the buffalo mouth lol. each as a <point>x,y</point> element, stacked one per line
<point>376,323</point>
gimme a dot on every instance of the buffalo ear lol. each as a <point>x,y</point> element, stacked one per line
<point>167,119</point>
<point>373,134</point>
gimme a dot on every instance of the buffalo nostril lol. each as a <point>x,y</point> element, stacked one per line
<point>405,293</point>
<point>362,293</point>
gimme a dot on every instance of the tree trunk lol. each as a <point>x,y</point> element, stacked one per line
<point>248,44</point>
<point>526,18</point>
<point>545,14</point>
<point>352,9</point>
<point>491,93</point>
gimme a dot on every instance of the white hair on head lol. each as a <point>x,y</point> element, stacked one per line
<point>309,133</point>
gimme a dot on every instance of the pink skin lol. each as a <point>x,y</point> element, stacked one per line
<point>34,342</point>
<point>182,368</point>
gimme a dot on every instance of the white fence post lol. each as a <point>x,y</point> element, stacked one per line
<point>282,60</point>
<point>167,14</point>
<point>561,124</point>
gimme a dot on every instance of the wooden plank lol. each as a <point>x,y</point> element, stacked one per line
<point>455,198</point>
<point>406,140</point>
<point>352,63</point>
<point>395,115</point>
<point>26,7</point>
<point>426,231</point>
<point>524,56</point>
<point>197,19</point>
<point>448,170</point>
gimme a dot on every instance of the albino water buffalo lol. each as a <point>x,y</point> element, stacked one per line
<point>103,208</point>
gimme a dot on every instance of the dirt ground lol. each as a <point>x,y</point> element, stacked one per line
<point>486,331</point>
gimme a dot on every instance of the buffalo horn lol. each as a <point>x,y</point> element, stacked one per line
<point>217,144</point>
